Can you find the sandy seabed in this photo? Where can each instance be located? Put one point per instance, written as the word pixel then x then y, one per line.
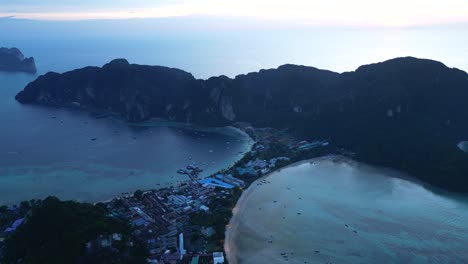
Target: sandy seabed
pixel 334 210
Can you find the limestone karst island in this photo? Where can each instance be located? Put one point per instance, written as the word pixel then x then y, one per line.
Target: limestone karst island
pixel 239 132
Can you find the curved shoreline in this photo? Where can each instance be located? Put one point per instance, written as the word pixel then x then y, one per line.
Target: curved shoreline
pixel 233 134
pixel 232 228
pixel 227 130
pixel 229 245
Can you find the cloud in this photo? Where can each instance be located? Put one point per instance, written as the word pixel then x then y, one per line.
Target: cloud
pixel 316 12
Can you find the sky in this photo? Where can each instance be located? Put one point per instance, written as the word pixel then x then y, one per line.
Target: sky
pixel 367 13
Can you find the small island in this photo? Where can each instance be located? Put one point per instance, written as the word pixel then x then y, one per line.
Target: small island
pixel 13 60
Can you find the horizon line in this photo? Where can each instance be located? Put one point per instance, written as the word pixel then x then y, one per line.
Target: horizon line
pixel 250 19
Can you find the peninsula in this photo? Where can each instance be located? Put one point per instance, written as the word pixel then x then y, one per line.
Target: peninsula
pixel 404 113
pixel 12 59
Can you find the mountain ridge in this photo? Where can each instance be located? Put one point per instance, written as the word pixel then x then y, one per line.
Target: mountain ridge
pixel 406 113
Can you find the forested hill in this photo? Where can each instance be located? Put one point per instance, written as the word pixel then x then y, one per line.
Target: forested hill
pixel 404 113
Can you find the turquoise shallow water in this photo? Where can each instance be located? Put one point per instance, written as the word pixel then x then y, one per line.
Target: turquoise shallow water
pixel 347 213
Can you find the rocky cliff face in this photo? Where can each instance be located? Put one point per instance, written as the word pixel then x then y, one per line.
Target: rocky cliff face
pixel 137 92
pixel 13 60
pixel 405 113
pixel 141 92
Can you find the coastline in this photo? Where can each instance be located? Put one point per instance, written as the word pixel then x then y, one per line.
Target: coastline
pixel 158 209
pixel 231 232
pixel 229 244
pixel 245 142
pixel 249 142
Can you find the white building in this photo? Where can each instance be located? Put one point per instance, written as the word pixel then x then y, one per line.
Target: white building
pixel 218 257
pixel 204 208
pixel 181 245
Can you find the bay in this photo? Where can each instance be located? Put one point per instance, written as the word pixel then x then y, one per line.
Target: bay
pixel 75 155
pixel 328 211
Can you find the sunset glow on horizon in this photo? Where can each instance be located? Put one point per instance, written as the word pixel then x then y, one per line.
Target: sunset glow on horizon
pixel 396 13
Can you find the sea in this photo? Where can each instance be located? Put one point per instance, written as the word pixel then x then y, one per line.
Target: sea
pixel 72 154
pixel 76 155
pixel 326 211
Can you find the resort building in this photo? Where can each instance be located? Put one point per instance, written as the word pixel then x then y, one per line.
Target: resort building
pixel 212 182
pixel 228 178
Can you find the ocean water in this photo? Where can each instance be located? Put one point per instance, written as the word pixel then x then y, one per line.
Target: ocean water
pixel 50 151
pixel 346 212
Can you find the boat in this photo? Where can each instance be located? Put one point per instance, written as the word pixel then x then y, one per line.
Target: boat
pixel 182 171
